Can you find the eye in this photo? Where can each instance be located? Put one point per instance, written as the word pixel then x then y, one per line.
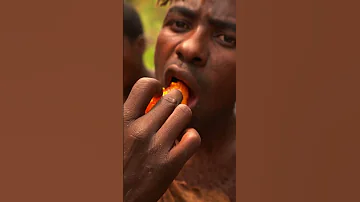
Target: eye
pixel 179 26
pixel 227 40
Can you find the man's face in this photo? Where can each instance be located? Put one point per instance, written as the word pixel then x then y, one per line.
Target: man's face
pixel 197 45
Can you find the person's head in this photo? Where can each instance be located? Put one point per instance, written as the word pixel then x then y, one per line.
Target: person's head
pixel 197 44
pixel 134 45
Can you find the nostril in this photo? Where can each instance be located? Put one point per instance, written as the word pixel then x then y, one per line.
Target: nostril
pixel 180 56
pixel 197 59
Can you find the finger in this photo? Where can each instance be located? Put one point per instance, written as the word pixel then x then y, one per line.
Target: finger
pixel 155 118
pixel 187 146
pixel 173 126
pixel 141 93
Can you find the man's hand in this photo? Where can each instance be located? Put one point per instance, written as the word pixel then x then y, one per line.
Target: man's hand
pixel 151 162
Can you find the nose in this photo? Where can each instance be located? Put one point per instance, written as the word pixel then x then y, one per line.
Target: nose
pixel 193 48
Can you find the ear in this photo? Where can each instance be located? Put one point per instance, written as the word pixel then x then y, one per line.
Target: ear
pixel 140 44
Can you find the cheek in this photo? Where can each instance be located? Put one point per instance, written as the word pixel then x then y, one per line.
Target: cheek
pixel 223 68
pixel 127 72
pixel 222 78
pixel 127 64
pixel 229 77
pixel 127 56
pixel 165 46
pixel 158 60
pixel 223 91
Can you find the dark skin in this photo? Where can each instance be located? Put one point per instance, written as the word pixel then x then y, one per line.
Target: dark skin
pixel 196 45
pixel 134 68
pixel 203 54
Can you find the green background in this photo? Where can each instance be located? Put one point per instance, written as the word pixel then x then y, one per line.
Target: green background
pixel 152 18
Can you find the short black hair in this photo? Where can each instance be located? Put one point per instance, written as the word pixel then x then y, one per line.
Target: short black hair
pixel 132 23
pixel 164 2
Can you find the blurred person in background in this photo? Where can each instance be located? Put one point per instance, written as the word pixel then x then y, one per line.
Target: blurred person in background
pixel 134 48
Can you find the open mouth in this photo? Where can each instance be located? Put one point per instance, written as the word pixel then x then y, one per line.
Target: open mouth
pixel 174 79
pixel 191 97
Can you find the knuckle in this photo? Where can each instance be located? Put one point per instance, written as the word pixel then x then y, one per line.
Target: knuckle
pixel 165 162
pixel 182 113
pixel 170 100
pixel 173 98
pixel 138 133
pixel 150 169
pixel 143 81
pixel 127 114
pixel 145 85
pixel 184 109
pixel 154 150
pixel 141 84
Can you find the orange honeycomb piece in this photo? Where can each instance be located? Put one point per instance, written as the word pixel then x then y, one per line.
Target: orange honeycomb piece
pixel 174 85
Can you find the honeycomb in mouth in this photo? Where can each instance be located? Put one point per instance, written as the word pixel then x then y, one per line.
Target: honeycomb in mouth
pixel 175 84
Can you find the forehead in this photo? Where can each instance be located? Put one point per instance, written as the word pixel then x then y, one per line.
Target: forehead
pixel 220 9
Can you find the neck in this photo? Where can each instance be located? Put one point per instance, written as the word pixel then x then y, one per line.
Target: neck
pixel 213 165
pixel 218 135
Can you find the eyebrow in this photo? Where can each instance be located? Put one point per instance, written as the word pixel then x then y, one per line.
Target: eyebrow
pixel 183 10
pixel 192 14
pixel 223 24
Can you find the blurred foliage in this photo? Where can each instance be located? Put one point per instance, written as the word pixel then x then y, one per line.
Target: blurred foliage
pixel 152 18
